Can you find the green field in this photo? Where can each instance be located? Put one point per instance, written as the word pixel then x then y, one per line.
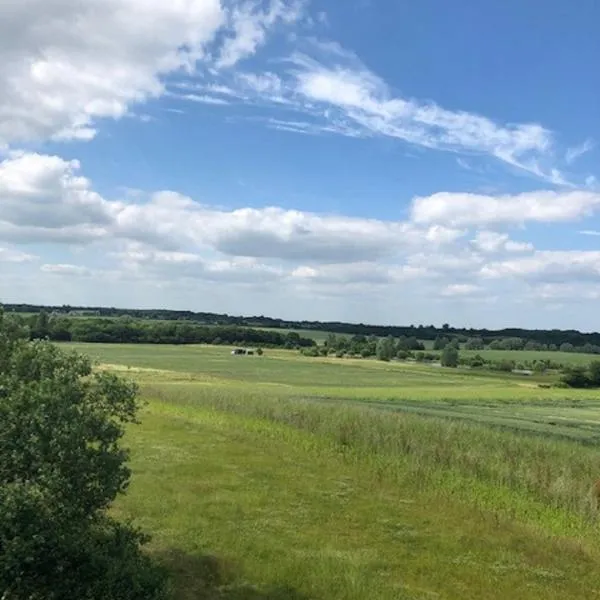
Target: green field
pixel 565 358
pixel 282 476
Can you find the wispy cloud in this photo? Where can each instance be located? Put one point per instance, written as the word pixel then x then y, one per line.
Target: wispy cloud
pixel 335 93
pixel 591 232
pixel 250 25
pixel 574 153
pixel 203 99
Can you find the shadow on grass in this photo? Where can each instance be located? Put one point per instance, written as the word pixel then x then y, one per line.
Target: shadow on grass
pixel 210 578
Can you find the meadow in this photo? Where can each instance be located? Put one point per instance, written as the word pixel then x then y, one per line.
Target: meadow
pixel 290 477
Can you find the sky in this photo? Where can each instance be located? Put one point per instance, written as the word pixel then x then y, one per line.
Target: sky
pixel 376 161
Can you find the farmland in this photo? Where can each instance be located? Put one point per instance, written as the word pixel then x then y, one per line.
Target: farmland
pixel 290 477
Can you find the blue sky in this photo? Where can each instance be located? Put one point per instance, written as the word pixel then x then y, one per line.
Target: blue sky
pixel 383 162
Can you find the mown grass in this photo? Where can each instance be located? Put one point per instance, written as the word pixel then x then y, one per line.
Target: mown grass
pixel 288 373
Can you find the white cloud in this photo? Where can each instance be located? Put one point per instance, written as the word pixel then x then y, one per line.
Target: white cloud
pixel 166 238
pixel 357 273
pixel 250 24
pixel 65 64
pixel 66 269
pixel 492 242
pixel 460 289
pixel 591 232
pixel 549 266
pixel 203 99
pixel 366 101
pixel 459 210
pixel 44 198
pixel 10 255
pixel 574 153
pixel 145 262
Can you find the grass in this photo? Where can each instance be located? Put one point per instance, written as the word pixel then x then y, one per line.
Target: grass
pixel 287 477
pixel 246 508
pixel 565 358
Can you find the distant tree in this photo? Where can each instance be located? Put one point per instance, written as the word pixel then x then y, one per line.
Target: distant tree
pixel 450 357
pixel 506 365
pixel 567 347
pixel 440 342
pixel 476 361
pixel 385 348
pixel 594 373
pixel 41 326
pixel 260 351
pixel 475 343
pixel 331 341
pixel 412 343
pixel 576 376
pixel 61 467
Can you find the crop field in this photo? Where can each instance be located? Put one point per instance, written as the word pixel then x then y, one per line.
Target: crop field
pixel 287 477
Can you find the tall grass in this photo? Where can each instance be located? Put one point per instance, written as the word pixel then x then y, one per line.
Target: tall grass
pixel 555 475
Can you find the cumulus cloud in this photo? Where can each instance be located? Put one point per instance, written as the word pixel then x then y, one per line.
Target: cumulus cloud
pixel 42 190
pixel 144 262
pixel 357 273
pixel 165 237
pixel 493 242
pixel 460 210
pixel 44 198
pixel 66 64
pixel 551 266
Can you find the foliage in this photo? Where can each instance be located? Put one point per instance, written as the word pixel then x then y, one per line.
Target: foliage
pixel 126 330
pixel 474 343
pixel 579 376
pixel 386 348
pixel 440 342
pixel 61 466
pixel 450 356
pixel 504 339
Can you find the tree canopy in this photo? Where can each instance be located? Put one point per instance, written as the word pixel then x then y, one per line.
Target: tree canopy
pixel 61 466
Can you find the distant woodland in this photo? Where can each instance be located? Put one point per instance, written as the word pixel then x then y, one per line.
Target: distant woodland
pixel 172 326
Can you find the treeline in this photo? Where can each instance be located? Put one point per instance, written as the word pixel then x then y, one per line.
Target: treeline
pixel 515 343
pixel 447 352
pixel 551 339
pixel 127 330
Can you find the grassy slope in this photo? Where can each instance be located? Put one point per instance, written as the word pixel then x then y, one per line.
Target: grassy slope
pixel 230 463
pixel 288 516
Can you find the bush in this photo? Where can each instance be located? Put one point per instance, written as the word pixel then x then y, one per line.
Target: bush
pixel 450 357
pixel 576 377
pixel 61 466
